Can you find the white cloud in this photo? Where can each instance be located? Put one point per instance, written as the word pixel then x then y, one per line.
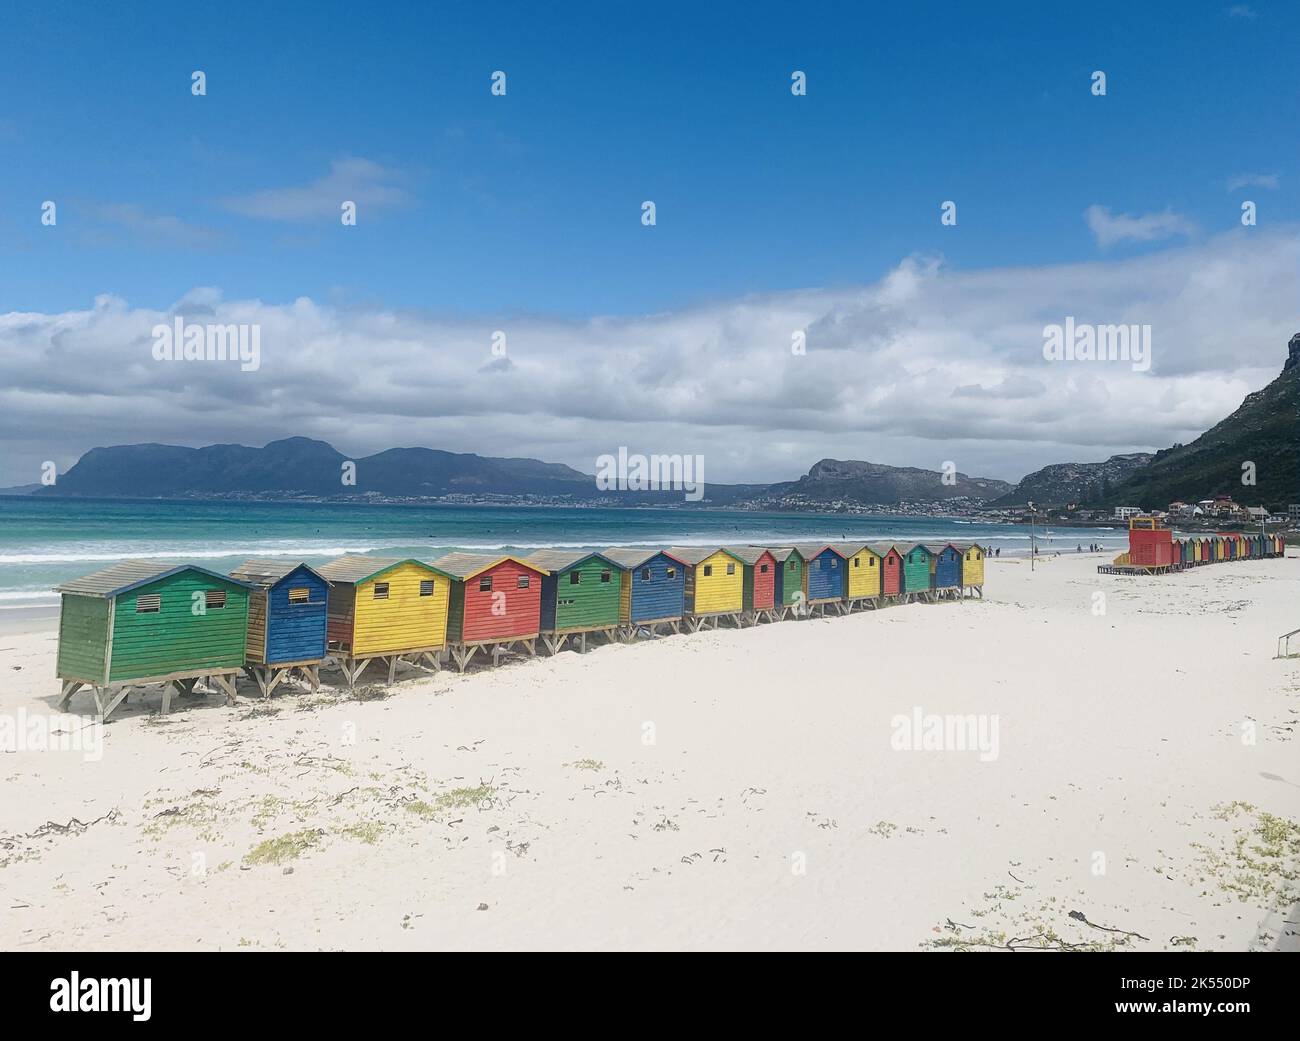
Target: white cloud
pixel 367 183
pixel 1252 181
pixel 1109 228
pixel 928 364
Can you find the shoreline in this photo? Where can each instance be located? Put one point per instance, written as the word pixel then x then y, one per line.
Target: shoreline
pixel 720 790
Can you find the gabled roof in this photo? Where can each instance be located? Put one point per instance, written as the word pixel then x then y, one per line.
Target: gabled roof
pixel 936 548
pixel 808 550
pixel 553 561
pixel 696 554
pixel 782 553
pixel 633 557
pixel 355 568
pixel 266 573
pixel 131 574
pixel 464 566
pixel 918 545
pixel 882 549
pixel 852 549
pixel 750 554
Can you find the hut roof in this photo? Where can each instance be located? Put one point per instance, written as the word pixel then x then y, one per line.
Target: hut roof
pixel 634 557
pixel 850 549
pixel 938 547
pixel 553 561
pixel 464 566
pixel 696 554
pixel 782 553
pixel 266 573
pixel 808 550
pixel 882 549
pixel 357 567
pixel 129 574
pixel 749 554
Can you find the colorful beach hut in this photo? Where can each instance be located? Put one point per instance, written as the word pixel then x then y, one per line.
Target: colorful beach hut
pixel 387 608
pixel 945 570
pixel 652 591
pixel 787 590
pixel 826 577
pixel 287 616
pixel 916 573
pixel 496 605
pixel 715 586
pixel 863 571
pixel 891 570
pixel 972 568
pixel 758 590
pixel 581 593
pixel 142 622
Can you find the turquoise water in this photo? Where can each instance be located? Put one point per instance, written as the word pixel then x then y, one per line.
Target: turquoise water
pixel 47 541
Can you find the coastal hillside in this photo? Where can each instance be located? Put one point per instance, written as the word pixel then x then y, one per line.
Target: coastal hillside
pixel 1265 431
pixel 856 482
pixel 1063 483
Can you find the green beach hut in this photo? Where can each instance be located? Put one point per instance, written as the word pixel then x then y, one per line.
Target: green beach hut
pixel 143 622
pixel 581 594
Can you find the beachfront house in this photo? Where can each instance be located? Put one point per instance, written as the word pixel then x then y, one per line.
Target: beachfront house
pixel 496 605
pixel 891 569
pixel 652 591
pixel 287 621
pixel 581 594
pixel 386 608
pixel 945 570
pixel 758 591
pixel 787 591
pixel 827 577
pixel 862 566
pixel 143 622
pixel 715 586
pixel 917 583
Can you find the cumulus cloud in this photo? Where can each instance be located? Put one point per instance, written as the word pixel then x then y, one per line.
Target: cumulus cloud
pixel 368 184
pixel 925 365
pixel 158 229
pixel 1109 228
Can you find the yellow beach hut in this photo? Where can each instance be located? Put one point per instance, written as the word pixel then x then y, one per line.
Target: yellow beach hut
pixel 383 608
pixel 864 570
pixel 715 586
pixel 972 568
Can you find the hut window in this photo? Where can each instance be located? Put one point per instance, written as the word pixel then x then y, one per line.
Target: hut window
pixel 857 561
pixel 604 576
pixel 708 570
pixel 575 578
pixel 645 574
pixel 790 567
pixel 871 561
pixel 426 587
pixel 522 582
pixel 381 590
pixel 816 565
pixel 672 573
pixel 150 603
pixel 834 563
pixel 299 595
pixel 214 599
pixel 485 584
pixel 762 569
pixel 731 569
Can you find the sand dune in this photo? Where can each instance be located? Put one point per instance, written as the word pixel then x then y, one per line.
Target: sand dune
pixel 731 789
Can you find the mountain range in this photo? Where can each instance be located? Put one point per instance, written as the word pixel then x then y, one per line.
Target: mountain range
pixel 1263 432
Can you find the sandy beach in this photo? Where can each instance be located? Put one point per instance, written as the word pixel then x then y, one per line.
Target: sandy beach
pixel 1136 786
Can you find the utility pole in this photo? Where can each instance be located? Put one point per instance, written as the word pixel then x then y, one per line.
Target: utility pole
pixel 1033 548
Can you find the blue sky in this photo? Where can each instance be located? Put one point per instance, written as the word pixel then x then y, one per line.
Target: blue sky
pixel 530 203
pixel 776 215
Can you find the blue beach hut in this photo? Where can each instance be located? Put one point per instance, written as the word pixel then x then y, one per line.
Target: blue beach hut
pixel 653 591
pixel 287 615
pixel 826 583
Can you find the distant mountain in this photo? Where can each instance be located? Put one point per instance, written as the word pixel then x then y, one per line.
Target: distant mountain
pixel 1265 431
pixel 1064 483
pixel 302 467
pixel 21 489
pixel 853 481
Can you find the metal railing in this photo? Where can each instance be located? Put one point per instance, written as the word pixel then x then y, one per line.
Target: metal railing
pixel 1284 645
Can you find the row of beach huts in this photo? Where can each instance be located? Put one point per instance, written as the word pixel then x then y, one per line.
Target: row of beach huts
pixel 142 622
pixel 1153 550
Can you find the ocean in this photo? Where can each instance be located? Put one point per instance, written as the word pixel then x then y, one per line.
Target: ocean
pixel 45 541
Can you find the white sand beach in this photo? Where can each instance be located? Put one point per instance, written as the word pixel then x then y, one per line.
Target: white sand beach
pixel 730 789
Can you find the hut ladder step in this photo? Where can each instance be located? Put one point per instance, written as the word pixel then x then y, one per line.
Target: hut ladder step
pixel 1284 645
